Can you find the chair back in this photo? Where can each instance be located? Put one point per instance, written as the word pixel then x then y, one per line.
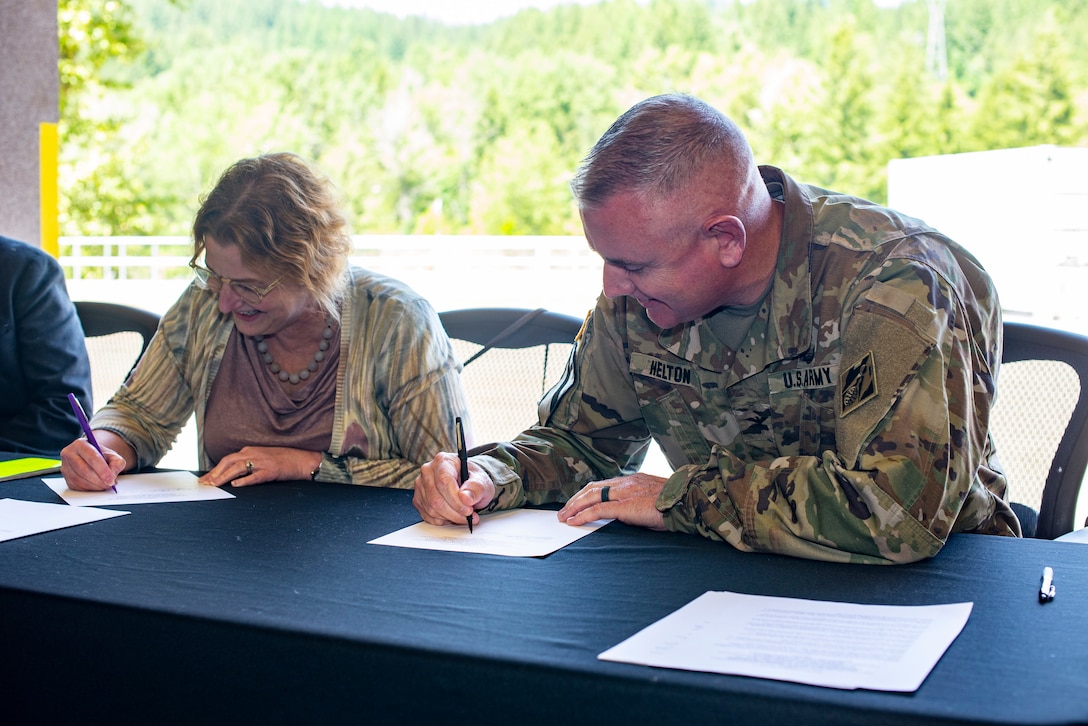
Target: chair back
pixel 117 335
pixel 511 357
pixel 1040 424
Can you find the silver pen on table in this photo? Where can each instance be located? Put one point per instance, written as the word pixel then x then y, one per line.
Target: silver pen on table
pixel 1046 586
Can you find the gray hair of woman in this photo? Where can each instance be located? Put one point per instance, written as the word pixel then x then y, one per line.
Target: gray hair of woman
pixel 286 219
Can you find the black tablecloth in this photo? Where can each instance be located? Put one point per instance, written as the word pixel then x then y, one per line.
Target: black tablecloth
pixel 273 608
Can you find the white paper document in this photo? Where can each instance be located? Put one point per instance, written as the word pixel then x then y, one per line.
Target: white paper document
pixel 19 518
pixel 515 533
pixel 149 488
pixel 832 644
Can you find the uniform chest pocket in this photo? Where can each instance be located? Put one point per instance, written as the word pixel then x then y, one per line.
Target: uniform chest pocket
pixel 804 409
pixel 671 422
pixel 672 400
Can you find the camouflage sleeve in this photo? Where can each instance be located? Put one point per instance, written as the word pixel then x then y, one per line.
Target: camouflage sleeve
pixel 590 427
pixel 910 433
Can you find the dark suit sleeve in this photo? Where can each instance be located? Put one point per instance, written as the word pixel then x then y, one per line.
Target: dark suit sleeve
pixel 44 355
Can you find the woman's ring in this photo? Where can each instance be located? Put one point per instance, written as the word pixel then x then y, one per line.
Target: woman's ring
pixel 604 493
pixel 249 467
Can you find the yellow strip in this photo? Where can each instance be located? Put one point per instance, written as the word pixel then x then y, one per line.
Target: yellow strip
pixel 48 146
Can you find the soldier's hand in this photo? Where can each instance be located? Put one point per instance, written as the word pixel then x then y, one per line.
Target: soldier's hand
pixel 630 499
pixel 441 499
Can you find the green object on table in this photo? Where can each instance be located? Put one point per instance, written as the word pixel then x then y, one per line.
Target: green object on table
pixel 28 466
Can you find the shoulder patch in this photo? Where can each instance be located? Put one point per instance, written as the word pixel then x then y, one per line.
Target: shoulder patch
pixel 858 384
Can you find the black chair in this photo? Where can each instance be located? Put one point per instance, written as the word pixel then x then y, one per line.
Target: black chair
pixel 1040 425
pixel 511 357
pixel 117 335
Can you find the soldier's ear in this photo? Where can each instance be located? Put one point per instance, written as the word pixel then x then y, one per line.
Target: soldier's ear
pixel 728 231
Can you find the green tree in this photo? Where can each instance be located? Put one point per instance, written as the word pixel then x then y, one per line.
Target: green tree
pixel 95 42
pixel 521 188
pixel 1030 99
pixel 93 37
pixel 910 117
pixel 427 127
pixel 842 152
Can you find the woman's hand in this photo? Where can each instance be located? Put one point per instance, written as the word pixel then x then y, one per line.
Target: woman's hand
pixel 260 464
pixel 85 470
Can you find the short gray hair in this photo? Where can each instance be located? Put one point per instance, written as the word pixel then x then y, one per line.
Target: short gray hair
pixel 656 147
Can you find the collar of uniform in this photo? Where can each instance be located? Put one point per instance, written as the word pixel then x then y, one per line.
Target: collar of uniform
pixel 790 301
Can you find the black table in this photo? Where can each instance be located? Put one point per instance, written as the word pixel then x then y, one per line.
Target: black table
pixel 272 608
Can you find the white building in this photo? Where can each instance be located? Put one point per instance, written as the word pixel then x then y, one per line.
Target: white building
pixel 1023 212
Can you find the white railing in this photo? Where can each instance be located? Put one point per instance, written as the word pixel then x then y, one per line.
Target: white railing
pixel 452 271
pixel 122 258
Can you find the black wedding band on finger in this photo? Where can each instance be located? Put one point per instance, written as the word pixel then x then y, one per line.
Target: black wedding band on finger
pixel 249 468
pixel 604 493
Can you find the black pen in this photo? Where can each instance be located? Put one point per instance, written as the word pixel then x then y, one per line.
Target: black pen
pixel 86 426
pixel 1046 587
pixel 462 454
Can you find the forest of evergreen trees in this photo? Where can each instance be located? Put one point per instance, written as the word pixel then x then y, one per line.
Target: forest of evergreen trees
pixel 476 129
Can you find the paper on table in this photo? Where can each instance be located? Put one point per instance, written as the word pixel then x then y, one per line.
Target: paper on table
pixel 833 644
pixel 19 518
pixel 148 488
pixel 27 466
pixel 514 533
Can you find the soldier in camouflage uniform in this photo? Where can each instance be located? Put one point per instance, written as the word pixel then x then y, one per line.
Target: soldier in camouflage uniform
pixel 818 370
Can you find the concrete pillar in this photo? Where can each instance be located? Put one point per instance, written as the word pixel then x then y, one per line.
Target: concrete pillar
pixel 29 111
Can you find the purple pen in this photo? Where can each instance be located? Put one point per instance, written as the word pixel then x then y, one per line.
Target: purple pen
pixel 86 426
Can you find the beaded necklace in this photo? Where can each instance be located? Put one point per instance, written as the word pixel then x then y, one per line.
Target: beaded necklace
pixel 304 374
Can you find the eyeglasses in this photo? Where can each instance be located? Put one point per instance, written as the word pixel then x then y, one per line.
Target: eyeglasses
pixel 213 283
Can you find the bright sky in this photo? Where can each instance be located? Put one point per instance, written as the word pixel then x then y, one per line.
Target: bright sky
pixel 459 12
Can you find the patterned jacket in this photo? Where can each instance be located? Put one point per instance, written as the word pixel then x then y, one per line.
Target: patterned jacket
pixel 850 425
pixel 398 384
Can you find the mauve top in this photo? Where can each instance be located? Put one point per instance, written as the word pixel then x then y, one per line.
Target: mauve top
pixel 250 406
